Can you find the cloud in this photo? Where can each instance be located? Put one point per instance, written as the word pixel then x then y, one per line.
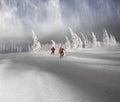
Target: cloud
pixel 18 17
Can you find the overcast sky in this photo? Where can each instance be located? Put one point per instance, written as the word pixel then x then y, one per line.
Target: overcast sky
pixel 19 17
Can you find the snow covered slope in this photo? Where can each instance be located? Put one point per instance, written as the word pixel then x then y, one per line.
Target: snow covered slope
pixel 88 75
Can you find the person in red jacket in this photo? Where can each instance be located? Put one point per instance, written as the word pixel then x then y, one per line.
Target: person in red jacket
pixel 61 52
pixel 53 50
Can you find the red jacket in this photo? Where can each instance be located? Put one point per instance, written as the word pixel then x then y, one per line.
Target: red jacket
pixel 61 50
pixel 52 49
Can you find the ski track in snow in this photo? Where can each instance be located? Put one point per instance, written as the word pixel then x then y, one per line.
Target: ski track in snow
pixel 78 77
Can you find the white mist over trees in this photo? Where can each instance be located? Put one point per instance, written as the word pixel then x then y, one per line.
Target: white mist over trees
pixel 9 21
pixel 77 42
pixel 18 15
pixel 47 17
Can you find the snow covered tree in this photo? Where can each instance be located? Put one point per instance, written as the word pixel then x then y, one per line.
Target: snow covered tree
pixel 67 44
pixel 53 43
pixel 94 40
pixel 84 40
pixel 36 44
pixel 76 41
pixel 106 39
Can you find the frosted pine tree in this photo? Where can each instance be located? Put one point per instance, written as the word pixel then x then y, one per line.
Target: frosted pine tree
pixel 84 40
pixel 36 44
pixel 67 44
pixel 106 39
pixel 94 40
pixel 80 45
pixel 73 38
pixel 53 43
pixel 113 41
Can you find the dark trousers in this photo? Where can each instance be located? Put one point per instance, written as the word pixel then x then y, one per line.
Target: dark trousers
pixel 52 53
pixel 61 54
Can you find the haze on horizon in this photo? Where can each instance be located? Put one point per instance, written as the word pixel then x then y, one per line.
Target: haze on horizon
pixel 47 17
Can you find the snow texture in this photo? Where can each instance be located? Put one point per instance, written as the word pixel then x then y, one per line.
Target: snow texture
pixel 89 75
